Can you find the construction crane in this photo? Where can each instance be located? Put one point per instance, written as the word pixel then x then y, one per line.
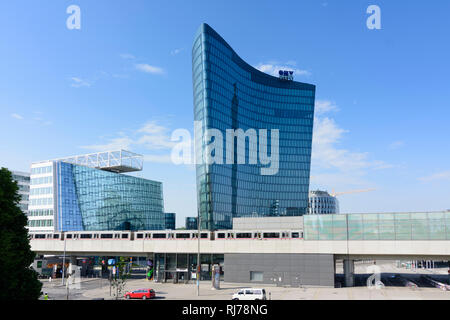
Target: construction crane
pixel 335 194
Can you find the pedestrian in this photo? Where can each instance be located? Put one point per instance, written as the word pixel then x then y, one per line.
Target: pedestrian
pixel 45 296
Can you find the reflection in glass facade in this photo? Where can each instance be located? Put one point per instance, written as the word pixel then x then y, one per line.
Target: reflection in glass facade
pixel 191 223
pixel 230 94
pixel 94 200
pixel 170 220
pixel 382 226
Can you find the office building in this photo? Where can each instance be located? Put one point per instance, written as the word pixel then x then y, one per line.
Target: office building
pixel 170 219
pixel 23 182
pixel 321 202
pixel 191 223
pixel 90 192
pixel 229 94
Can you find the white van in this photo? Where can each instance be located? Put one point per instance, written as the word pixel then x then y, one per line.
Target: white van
pixel 250 294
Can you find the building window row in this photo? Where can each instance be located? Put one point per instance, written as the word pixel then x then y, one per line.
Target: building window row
pixel 40 212
pixel 41 202
pixel 42 180
pixel 40 223
pixel 39 191
pixel 41 170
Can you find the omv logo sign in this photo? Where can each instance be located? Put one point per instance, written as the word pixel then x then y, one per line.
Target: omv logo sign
pixel 286 75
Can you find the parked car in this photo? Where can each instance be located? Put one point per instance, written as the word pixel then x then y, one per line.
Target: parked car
pixel 140 294
pixel 250 294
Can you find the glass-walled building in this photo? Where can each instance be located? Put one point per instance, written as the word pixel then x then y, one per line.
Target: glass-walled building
pixel 321 202
pixel 191 223
pixel 71 197
pixel 229 94
pixel 378 226
pixel 170 219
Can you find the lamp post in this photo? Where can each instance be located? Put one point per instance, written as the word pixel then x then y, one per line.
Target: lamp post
pixel 64 261
pixel 198 253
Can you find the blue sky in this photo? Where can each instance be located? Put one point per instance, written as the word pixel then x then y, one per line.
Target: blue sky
pixel 124 80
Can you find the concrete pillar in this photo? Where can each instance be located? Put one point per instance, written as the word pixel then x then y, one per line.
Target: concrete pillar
pixel 349 271
pixel 72 264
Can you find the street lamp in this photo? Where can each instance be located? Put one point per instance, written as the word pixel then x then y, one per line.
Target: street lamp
pixel 64 261
pixel 199 219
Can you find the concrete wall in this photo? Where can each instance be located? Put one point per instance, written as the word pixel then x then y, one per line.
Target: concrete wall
pixel 293 269
pixel 268 223
pixel 412 250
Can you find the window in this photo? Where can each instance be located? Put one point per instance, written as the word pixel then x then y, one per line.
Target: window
pixel 243 235
pixel 106 236
pixel 271 235
pixel 159 236
pixel 256 276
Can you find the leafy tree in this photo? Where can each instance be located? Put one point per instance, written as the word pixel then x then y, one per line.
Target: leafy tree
pixel 123 273
pixel 18 281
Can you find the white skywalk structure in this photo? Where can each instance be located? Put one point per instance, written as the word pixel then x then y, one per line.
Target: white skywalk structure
pixel 118 161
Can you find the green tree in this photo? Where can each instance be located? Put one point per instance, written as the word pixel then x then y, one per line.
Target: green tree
pixel 123 273
pixel 18 281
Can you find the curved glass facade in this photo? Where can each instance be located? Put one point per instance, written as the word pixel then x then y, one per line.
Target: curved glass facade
pixel 230 94
pixel 95 200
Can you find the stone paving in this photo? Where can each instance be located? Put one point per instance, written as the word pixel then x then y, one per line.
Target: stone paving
pixel 95 289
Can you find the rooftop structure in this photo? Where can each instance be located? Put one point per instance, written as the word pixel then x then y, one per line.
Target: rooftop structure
pixel 118 161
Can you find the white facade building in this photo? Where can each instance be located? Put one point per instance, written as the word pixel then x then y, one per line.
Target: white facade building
pixel 23 181
pixel 321 202
pixel 41 207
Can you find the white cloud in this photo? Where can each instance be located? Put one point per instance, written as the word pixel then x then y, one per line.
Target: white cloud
pixel 164 158
pixel 440 176
pixel 78 82
pixel 332 165
pixel 127 56
pixel 396 145
pixel 152 127
pixel 324 106
pixel 16 116
pixel 176 51
pixel 273 68
pixel 149 69
pixel 151 137
pixel 112 144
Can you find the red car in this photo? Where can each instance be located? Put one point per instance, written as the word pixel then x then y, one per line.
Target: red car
pixel 140 294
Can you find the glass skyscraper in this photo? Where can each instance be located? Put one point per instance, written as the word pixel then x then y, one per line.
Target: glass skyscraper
pixel 231 94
